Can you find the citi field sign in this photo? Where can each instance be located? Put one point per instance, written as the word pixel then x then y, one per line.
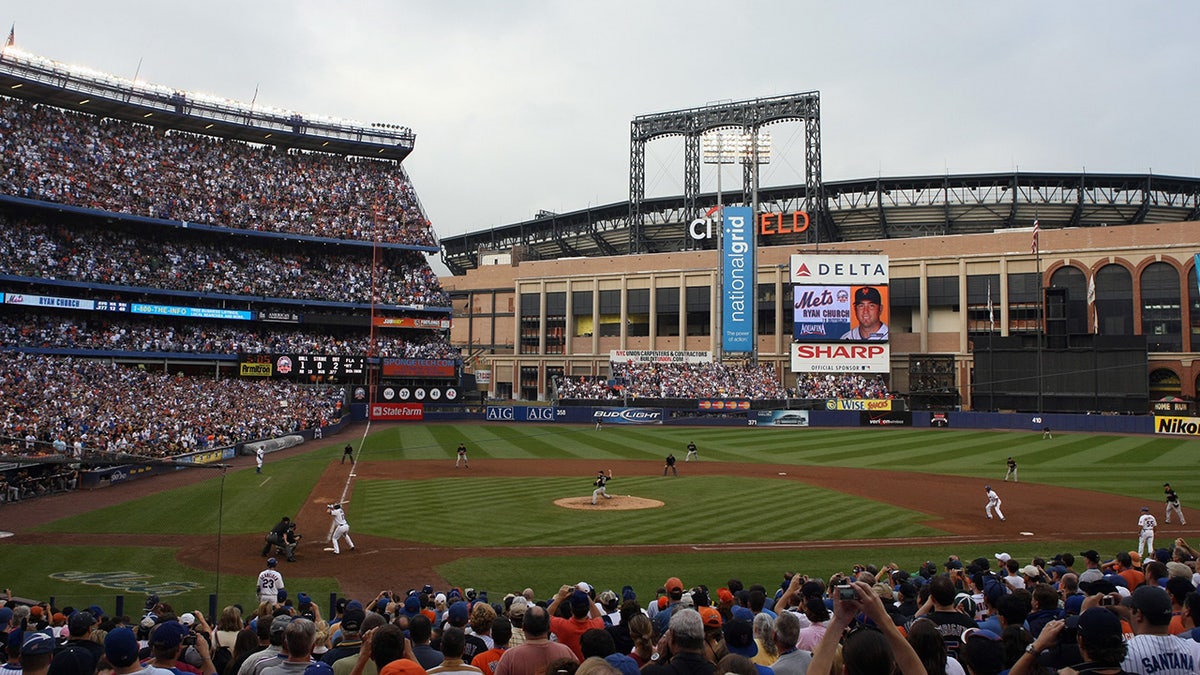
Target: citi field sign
pixel 768 224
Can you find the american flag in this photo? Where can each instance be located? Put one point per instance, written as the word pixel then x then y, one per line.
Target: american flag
pixel 1033 247
pixel 12 36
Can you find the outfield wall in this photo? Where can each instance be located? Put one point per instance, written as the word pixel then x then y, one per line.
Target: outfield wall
pixel 610 416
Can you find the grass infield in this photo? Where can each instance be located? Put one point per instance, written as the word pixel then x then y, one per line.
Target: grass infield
pixel 475 513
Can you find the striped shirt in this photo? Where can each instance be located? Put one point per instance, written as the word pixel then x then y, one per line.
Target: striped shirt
pixel 1162 655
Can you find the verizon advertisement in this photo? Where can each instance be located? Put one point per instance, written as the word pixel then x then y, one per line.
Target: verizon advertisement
pixel 873 357
pixel 404 412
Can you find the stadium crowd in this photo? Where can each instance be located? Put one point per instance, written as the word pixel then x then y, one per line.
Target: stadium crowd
pixel 29 330
pixel 76 407
pixel 717 380
pixel 987 616
pixel 64 157
pixel 89 254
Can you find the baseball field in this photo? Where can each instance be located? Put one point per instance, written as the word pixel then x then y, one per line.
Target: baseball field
pixel 757 503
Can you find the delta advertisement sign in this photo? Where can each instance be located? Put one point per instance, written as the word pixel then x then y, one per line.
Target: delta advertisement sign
pixel 839 269
pixel 871 357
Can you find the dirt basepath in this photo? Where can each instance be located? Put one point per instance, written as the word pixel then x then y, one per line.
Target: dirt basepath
pixel 1035 512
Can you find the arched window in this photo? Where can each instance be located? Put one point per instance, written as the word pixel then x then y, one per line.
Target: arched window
pixel 1163 382
pixel 1194 302
pixel 1072 279
pixel 1114 300
pixel 1162 319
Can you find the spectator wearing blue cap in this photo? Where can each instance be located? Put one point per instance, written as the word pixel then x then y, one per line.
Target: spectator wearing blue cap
pixel 37 650
pixel 584 616
pixel 351 641
pixel 168 642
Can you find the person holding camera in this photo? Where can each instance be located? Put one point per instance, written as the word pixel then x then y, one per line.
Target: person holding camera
pixel 340 527
pixel 168 643
pixel 862 650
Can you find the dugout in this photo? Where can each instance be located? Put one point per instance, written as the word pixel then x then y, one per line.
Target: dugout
pixel 1069 373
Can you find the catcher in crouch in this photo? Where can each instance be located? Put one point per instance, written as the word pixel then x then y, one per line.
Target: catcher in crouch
pixel 601 481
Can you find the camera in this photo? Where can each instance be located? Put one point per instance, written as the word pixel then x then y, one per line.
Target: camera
pixel 1108 601
pixel 846 592
pixel 190 640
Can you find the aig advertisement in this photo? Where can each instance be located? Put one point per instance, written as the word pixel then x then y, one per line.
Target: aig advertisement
pixel 737 293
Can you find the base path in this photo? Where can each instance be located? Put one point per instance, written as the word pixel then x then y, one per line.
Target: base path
pixel 1034 512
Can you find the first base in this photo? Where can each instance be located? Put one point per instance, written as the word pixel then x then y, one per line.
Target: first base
pixel 327 548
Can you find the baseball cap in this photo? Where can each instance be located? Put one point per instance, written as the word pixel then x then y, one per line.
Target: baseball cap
pixel 1090 554
pixel 412 604
pixel 1098 586
pixel 953 564
pixel 36 611
pixel 982 650
pixel 271 562
pixel 867 294
pixel 739 637
pixel 121 647
pixel 627 593
pixel 151 601
pixel 1003 557
pixel 1031 571
pixel 1178 569
pixel 964 602
pixel 5 616
pixel 518 606
pixel 673 584
pixel 1098 627
pixel 1145 509
pixel 71 661
pixel 743 613
pixel 710 616
pixel 1153 602
pixel 623 663
pixel 80 623
pixel 580 599
pixel 279 623
pixel 1073 604
pixel 187 618
pixel 170 634
pixel 36 643
pixel 353 618
pixel 457 614
pixel 724 596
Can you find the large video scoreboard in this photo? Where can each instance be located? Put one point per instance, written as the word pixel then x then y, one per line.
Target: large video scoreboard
pixel 840 313
pixel 304 366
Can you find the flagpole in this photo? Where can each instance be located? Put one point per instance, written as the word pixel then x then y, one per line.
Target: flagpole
pixel 1037 251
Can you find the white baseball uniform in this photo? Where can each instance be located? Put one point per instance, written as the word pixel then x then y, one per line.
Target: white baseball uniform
pixel 269 583
pixel 993 504
pixel 1146 523
pixel 258 460
pixel 340 528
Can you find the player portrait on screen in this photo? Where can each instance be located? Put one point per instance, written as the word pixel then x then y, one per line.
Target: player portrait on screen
pixel 867 322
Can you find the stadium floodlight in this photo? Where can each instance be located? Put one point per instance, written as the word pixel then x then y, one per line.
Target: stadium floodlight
pixel 750 149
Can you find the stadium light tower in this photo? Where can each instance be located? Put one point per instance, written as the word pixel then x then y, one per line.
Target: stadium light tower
pixel 750 148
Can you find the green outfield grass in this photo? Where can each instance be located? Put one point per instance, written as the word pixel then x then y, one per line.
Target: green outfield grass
pixel 473 512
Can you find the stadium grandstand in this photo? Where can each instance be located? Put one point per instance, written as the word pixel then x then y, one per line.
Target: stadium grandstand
pixel 196 254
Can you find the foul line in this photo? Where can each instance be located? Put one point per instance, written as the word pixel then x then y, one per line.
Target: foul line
pixel 353 472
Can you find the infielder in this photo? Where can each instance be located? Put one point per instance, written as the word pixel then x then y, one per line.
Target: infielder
pixel 600 483
pixel 1173 504
pixel 993 503
pixel 258 460
pixel 670 465
pixel 462 457
pixel 270 582
pixel 340 527
pixel 691 452
pixel 1146 525
pixel 1012 470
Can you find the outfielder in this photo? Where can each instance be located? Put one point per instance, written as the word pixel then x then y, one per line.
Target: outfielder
pixel 691 452
pixel 1012 470
pixel 600 483
pixel 993 503
pixel 1146 525
pixel 1173 504
pixel 270 582
pixel 340 527
pixel 462 457
pixel 258 460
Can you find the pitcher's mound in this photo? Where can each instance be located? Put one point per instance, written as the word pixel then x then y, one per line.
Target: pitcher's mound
pixel 617 503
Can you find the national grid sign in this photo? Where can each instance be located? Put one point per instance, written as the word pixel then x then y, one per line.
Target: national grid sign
pixel 738 274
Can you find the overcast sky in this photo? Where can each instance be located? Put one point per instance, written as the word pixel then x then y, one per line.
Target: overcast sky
pixel 521 105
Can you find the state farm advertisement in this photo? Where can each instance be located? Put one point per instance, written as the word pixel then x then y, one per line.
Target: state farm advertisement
pixel 873 357
pixel 410 412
